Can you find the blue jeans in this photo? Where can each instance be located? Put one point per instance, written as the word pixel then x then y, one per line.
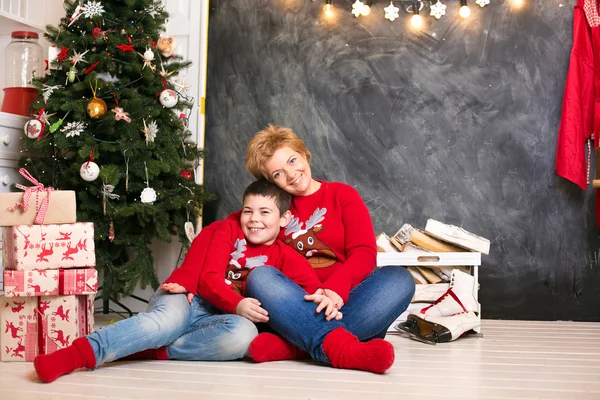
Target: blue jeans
pixel 371 308
pixel 194 331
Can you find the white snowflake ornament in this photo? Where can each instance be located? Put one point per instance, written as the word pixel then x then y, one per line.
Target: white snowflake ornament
pixel 148 195
pixel 438 9
pixel 77 58
pixel 482 3
pixel 73 129
pixel 391 12
pixel 357 8
pixel 150 131
pixel 92 9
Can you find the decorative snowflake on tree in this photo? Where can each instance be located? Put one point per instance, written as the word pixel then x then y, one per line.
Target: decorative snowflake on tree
pixel 357 8
pixel 78 57
pixel 74 128
pixel 150 131
pixel 391 12
pixel 438 9
pixel 153 10
pixel 482 3
pixel 92 9
pixel 47 91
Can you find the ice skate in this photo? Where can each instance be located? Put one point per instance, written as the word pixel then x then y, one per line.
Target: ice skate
pixel 445 329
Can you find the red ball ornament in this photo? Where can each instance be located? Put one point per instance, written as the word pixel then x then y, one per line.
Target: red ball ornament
pixel 187 174
pixel 95 32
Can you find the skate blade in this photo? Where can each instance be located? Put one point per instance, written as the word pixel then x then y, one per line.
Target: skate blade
pixel 409 329
pixel 430 330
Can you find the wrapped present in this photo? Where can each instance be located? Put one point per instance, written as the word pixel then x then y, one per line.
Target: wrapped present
pixel 26 247
pixel 37 205
pixel 50 282
pixel 42 325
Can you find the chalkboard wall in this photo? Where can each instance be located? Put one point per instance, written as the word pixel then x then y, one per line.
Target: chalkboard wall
pixel 457 123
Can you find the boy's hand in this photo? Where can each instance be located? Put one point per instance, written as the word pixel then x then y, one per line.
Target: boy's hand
pixel 177 288
pixel 250 308
pixel 324 303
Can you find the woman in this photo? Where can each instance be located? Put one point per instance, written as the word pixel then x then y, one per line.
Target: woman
pixel 332 229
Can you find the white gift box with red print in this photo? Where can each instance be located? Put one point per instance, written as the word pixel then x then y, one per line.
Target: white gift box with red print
pixel 26 247
pixel 50 282
pixel 42 325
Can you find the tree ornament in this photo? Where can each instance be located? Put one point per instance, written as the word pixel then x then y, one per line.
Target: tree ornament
pixel 148 195
pixel 125 47
pixel 187 174
pixel 48 90
pixel 56 125
pixel 76 14
pixel 33 128
pixel 148 57
pixel 391 12
pixel 121 114
pixel 70 75
pixel 89 171
pixel 167 46
pixel 92 9
pixel 107 192
pixel 64 52
pixel 78 57
pixel 74 128
pixel 437 10
pixel 168 98
pixel 111 232
pixel 96 108
pixel 150 131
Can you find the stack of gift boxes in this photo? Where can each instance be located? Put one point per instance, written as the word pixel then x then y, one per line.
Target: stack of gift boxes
pixel 49 276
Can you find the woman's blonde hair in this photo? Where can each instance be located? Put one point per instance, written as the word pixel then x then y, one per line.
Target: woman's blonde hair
pixel 265 143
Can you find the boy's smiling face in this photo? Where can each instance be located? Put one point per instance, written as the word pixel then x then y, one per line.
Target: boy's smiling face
pixel 261 219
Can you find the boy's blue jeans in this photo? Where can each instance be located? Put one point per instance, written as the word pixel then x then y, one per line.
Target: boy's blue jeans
pixel 194 331
pixel 372 307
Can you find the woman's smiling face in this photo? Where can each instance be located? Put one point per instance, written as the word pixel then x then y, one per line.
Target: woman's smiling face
pixel 290 171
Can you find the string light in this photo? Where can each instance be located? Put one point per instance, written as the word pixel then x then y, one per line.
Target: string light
pixel 328 8
pixel 361 8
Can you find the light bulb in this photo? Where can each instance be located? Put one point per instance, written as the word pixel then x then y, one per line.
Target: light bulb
pixel 518 3
pixel 328 10
pixel 366 10
pixel 464 11
pixel 416 21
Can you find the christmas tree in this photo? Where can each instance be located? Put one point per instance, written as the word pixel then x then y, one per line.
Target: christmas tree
pixel 104 126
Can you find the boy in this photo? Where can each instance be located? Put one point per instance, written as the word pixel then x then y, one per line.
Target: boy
pixel 171 328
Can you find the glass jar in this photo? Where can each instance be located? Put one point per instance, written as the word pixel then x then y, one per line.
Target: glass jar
pixel 24 61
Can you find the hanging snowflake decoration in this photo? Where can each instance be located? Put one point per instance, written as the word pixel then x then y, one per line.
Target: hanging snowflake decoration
pixel 357 8
pixel 180 85
pixel 77 57
pixel 482 3
pixel 45 117
pixel 438 9
pixel 47 91
pixel 153 10
pixel 92 9
pixel 73 129
pixel 391 12
pixel 150 131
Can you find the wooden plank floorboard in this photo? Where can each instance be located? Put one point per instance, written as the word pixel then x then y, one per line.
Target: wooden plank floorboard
pixel 513 360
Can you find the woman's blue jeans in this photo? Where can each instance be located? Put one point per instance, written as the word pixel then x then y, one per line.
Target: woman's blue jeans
pixel 194 331
pixel 371 308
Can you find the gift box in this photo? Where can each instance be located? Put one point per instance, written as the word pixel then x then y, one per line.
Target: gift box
pixel 37 205
pixel 26 247
pixel 42 325
pixel 50 282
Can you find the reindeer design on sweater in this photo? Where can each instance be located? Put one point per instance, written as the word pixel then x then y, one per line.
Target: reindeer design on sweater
pixel 236 273
pixel 306 242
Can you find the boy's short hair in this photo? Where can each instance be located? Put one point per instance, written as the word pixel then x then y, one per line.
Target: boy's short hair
pixel 266 142
pixel 263 187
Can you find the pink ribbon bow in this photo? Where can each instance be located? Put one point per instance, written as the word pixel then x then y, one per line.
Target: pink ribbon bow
pixel 39 187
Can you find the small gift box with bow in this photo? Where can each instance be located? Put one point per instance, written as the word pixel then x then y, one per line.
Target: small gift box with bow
pixel 37 205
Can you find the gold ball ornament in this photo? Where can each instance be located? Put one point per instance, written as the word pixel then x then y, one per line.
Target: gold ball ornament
pixel 96 108
pixel 166 45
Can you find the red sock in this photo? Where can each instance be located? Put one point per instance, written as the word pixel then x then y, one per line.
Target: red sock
pixel 148 354
pixel 269 347
pixel 345 351
pixel 64 361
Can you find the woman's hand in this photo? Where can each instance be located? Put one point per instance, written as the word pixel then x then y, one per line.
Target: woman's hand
pixel 324 303
pixel 177 288
pixel 338 302
pixel 250 308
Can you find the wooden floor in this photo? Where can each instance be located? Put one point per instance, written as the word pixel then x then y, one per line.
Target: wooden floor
pixel 514 360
